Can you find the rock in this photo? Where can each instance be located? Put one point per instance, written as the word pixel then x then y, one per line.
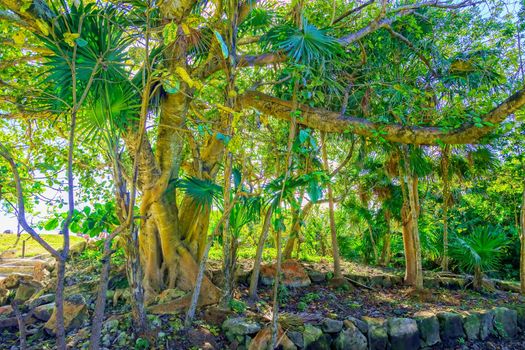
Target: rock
pixel 403 333
pixel 451 327
pixel 8 254
pixel 428 326
pixel 387 282
pixel 520 313
pixel 75 312
pixel 13 280
pixel 361 325
pixel 377 333
pixel 340 283
pixel 317 276
pixel 296 338
pixel 216 316
pixel 78 248
pixel 169 295
pixel 471 326
pixel 4 296
pixel 264 337
pixel 44 312
pixel 331 326
pixel 311 334
pixel 8 323
pixel 376 281
pixel 40 300
pixel 41 271
pixel 6 310
pixel 238 327
pixel 486 328
pixel 293 274
pixel 25 290
pixel 505 322
pixel 350 339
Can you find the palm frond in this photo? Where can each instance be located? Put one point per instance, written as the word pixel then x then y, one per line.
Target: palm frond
pixel 306 45
pixel 203 192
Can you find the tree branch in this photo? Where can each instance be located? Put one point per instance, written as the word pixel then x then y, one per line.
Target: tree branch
pixel 329 121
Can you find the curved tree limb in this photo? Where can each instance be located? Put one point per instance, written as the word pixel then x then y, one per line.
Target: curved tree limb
pixel 329 121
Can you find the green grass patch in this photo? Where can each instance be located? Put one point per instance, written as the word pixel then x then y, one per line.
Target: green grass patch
pixel 32 247
pixel 269 254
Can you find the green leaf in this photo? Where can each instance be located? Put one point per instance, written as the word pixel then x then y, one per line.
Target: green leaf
pixel 51 224
pixel 81 42
pixel 221 41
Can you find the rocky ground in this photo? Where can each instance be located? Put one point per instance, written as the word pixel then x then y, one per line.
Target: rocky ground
pixel 370 308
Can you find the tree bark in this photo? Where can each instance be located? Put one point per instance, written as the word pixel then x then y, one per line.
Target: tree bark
pixel 522 244
pixel 446 200
pixel 329 121
pixel 409 216
pixel 386 251
pixel 254 279
pixel 333 232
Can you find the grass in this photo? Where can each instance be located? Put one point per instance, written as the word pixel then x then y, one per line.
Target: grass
pixel 269 254
pixel 7 242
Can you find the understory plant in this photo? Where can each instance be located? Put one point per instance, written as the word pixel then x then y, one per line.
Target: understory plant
pixel 479 252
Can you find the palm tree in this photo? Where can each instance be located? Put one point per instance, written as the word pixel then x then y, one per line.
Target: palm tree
pixel 479 252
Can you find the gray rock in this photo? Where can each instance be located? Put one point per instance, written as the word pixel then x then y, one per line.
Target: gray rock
pixel 26 290
pixel 506 322
pixel 311 334
pixel 486 327
pixel 44 312
pixel 41 300
pixel 331 326
pixel 403 333
pixel 296 338
pixel 451 327
pixel 377 334
pixel 323 343
pixel 471 326
pixel 520 310
pixel 428 326
pixel 361 325
pixel 350 339
pixel 317 276
pixel 237 328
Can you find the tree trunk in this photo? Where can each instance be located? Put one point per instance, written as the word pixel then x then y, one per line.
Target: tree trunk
pixel 386 251
pixel 446 200
pixel 408 244
pixel 59 304
pixel 414 210
pixel 477 284
pixel 21 324
pixel 410 214
pixel 254 279
pixel 333 231
pixel 522 244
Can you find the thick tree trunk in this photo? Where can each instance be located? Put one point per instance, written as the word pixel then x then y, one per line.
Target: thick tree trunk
pixel 408 244
pixel 409 217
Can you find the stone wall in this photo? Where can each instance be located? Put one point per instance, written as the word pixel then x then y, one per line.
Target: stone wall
pixel 424 330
